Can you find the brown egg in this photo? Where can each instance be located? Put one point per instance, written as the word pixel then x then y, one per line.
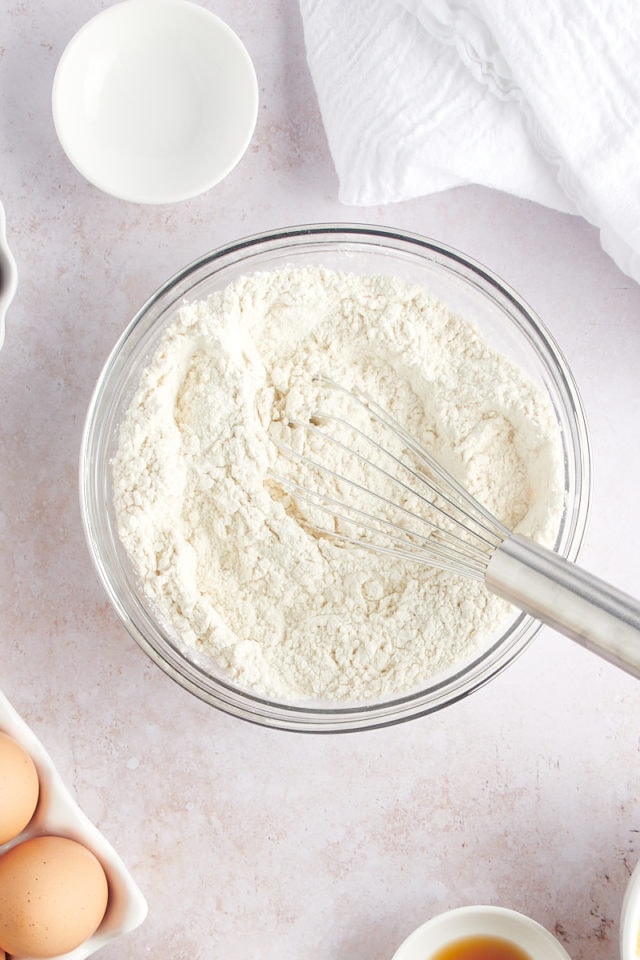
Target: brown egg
pixel 53 895
pixel 19 788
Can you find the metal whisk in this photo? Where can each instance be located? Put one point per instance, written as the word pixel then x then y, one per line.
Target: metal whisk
pixel 417 511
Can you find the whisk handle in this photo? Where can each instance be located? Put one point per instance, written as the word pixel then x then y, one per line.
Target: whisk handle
pixel 577 604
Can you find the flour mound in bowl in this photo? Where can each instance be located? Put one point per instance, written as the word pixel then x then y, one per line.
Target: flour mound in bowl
pixel 223 557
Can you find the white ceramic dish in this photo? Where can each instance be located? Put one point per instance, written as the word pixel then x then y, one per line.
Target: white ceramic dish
pixel 509 925
pixel 155 101
pixel 8 275
pixel 58 813
pixel 630 919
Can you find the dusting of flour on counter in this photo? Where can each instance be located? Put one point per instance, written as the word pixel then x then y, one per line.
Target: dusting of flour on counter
pixel 229 565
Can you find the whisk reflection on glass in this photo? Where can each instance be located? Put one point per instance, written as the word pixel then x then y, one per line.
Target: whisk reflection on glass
pixel 416 511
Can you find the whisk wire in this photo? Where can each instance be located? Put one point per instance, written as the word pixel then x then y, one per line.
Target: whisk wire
pixel 402 537
pixel 442 535
pixel 445 527
pixel 474 510
pixel 490 539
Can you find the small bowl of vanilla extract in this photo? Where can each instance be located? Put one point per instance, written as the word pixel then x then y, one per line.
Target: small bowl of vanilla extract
pixel 481 933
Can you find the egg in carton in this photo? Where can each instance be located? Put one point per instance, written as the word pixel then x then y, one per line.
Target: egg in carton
pixel 58 815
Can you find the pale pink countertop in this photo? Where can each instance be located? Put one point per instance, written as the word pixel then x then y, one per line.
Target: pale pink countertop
pixel 256 843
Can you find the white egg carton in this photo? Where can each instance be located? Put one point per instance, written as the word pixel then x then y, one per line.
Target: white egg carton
pixel 58 813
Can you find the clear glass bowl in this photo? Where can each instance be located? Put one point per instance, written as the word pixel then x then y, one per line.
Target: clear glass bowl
pixel 469 289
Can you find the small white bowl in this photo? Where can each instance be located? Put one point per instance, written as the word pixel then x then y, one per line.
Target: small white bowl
pixel 462 922
pixel 8 274
pixel 155 101
pixel 630 918
pixel 58 814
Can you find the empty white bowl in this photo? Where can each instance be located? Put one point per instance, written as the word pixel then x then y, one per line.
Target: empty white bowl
pixel 474 921
pixel 155 101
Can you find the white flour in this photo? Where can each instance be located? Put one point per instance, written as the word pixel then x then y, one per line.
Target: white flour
pixel 228 564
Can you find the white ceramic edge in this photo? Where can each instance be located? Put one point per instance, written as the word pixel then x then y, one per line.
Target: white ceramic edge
pixel 630 918
pixel 447 927
pixel 8 274
pixel 64 817
pixel 57 110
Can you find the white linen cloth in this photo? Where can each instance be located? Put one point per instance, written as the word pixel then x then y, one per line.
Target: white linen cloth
pixel 539 98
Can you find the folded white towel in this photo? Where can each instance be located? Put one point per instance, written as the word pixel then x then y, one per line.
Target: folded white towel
pixel 540 99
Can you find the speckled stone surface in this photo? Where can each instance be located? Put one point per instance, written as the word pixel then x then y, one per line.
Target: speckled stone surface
pixel 256 843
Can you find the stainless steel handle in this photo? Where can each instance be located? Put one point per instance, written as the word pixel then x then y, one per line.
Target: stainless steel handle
pixel 577 604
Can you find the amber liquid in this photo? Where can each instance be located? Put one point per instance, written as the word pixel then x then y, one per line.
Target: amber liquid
pixel 481 948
